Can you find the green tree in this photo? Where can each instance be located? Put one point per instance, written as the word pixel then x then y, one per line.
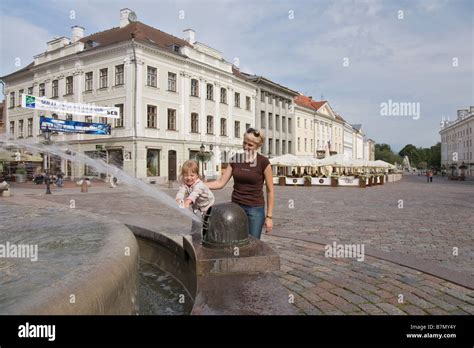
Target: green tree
pixel 412 152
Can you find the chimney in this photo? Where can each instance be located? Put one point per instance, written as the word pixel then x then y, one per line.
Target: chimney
pixel 124 17
pixel 462 113
pixel 77 33
pixel 189 35
pixel 471 110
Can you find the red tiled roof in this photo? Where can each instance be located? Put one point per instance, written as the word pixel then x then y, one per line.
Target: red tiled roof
pixel 141 31
pixel 305 101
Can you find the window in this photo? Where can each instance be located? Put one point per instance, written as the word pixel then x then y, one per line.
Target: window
pixel 237 100
pixel 283 147
pixel 270 120
pixel 289 146
pixel 237 129
pixel 270 145
pixel 151 76
pixel 102 120
pixel 12 127
pixel 195 88
pixel 151 120
pixel 209 92
pixel 89 81
pixel 247 126
pixel 312 148
pixel 194 123
pixel 298 122
pixel 262 119
pixel 119 121
pixel 223 95
pixel 277 146
pixel 223 127
pixel 262 96
pixel 29 130
pixel 277 122
pixel 152 162
pixel 283 123
pixel 119 70
pixel 103 78
pixel 299 147
pixel 305 123
pixel 12 99
pixel 210 125
pixel 247 103
pixel 54 88
pixel 20 93
pixel 289 130
pixel 69 117
pixel 305 144
pixel 30 90
pixel 171 82
pixel 171 119
pixel 20 129
pixel 69 86
pixel 42 90
pixel 88 119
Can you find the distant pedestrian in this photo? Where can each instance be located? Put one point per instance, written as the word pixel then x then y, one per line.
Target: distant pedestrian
pixel 430 175
pixel 427 176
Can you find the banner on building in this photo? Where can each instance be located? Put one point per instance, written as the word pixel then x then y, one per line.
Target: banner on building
pixel 73 126
pixel 40 103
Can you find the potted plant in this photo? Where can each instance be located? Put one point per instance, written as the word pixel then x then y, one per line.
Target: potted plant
pixel 334 179
pixel 382 178
pixel 20 173
pixel 362 179
pixel 282 180
pixel 307 180
pixel 369 179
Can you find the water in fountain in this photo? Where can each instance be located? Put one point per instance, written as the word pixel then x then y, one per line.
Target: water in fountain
pixel 157 289
pixel 103 167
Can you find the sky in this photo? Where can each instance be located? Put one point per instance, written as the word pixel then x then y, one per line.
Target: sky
pixel 367 58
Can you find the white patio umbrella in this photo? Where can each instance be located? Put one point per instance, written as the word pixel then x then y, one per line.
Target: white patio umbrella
pixel 382 164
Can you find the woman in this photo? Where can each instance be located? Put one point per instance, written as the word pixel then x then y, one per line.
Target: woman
pixel 250 172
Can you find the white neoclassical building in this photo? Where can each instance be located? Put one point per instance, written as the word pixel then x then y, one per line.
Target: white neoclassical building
pixel 175 95
pixel 457 140
pixel 320 131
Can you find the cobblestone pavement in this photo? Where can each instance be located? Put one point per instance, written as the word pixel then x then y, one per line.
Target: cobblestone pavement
pixel 321 285
pixel 412 217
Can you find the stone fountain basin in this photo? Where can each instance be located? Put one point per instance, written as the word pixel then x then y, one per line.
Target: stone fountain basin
pixel 86 265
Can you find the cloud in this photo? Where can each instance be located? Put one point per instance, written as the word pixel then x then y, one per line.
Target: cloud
pixel 20 39
pixel 407 60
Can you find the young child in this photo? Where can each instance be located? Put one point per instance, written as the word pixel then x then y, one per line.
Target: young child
pixel 192 191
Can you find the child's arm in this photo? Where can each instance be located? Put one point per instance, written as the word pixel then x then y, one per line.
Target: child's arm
pixel 181 193
pixel 197 191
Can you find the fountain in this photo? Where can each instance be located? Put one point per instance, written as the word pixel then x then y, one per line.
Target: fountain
pixel 216 269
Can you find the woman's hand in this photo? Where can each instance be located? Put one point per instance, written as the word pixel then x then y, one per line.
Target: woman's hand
pixel 268 225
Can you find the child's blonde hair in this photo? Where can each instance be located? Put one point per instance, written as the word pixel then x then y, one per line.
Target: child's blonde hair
pixel 189 166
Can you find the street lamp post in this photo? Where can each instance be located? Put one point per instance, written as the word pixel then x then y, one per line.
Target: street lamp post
pixel 47 137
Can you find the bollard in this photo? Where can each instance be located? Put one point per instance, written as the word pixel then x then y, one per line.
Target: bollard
pixel 84 188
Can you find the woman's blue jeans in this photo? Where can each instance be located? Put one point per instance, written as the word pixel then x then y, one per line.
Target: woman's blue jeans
pixel 256 216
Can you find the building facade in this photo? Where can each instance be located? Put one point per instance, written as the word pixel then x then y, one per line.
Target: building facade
pixel 457 143
pixel 175 95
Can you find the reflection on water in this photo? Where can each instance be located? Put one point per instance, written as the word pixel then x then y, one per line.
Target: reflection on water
pixel 160 293
pixel 64 243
